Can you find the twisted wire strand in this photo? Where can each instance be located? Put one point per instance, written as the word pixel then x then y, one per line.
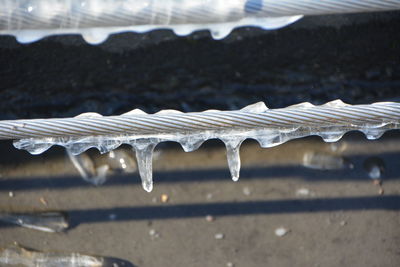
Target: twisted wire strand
pixel 333 114
pixel 74 14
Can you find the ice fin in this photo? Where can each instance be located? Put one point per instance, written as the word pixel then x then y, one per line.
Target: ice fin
pixel 302 105
pixel 233 156
pixel 168 112
pixel 144 157
pixel 255 108
pixel 135 112
pixel 335 103
pixel 89 115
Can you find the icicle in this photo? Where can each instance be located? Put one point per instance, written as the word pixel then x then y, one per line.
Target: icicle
pixel 190 139
pixel 233 156
pixel 144 156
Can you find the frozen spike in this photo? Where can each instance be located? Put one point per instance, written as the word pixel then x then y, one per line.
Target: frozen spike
pixel 168 112
pixel 144 157
pixel 331 137
pixel 233 157
pixel 89 115
pixel 335 103
pixel 255 108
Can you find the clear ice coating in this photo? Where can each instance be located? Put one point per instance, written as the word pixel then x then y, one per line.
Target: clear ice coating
pixel 95 20
pixel 144 145
pixel 43 221
pixel 18 256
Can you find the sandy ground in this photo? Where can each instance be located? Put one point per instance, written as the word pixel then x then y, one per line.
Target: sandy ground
pixel 341 220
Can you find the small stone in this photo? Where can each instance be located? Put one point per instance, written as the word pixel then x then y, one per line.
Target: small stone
pixel 381 191
pixel 219 236
pixel 153 234
pixel 246 191
pixel 343 223
pixel 209 196
pixel 230 264
pixel 281 231
pixel 43 201
pixel 377 182
pixel 11 194
pixel 164 198
pixel 210 218
pixel 303 192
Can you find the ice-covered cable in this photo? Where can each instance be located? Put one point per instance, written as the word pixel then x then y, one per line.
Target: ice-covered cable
pixel 31 20
pixel 270 127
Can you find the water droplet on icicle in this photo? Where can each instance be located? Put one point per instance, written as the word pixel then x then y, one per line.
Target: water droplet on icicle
pixel 144 157
pixel 190 144
pixel 331 137
pixel 373 134
pixel 233 156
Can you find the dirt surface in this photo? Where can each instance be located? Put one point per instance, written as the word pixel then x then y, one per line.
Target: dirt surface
pixel 332 217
